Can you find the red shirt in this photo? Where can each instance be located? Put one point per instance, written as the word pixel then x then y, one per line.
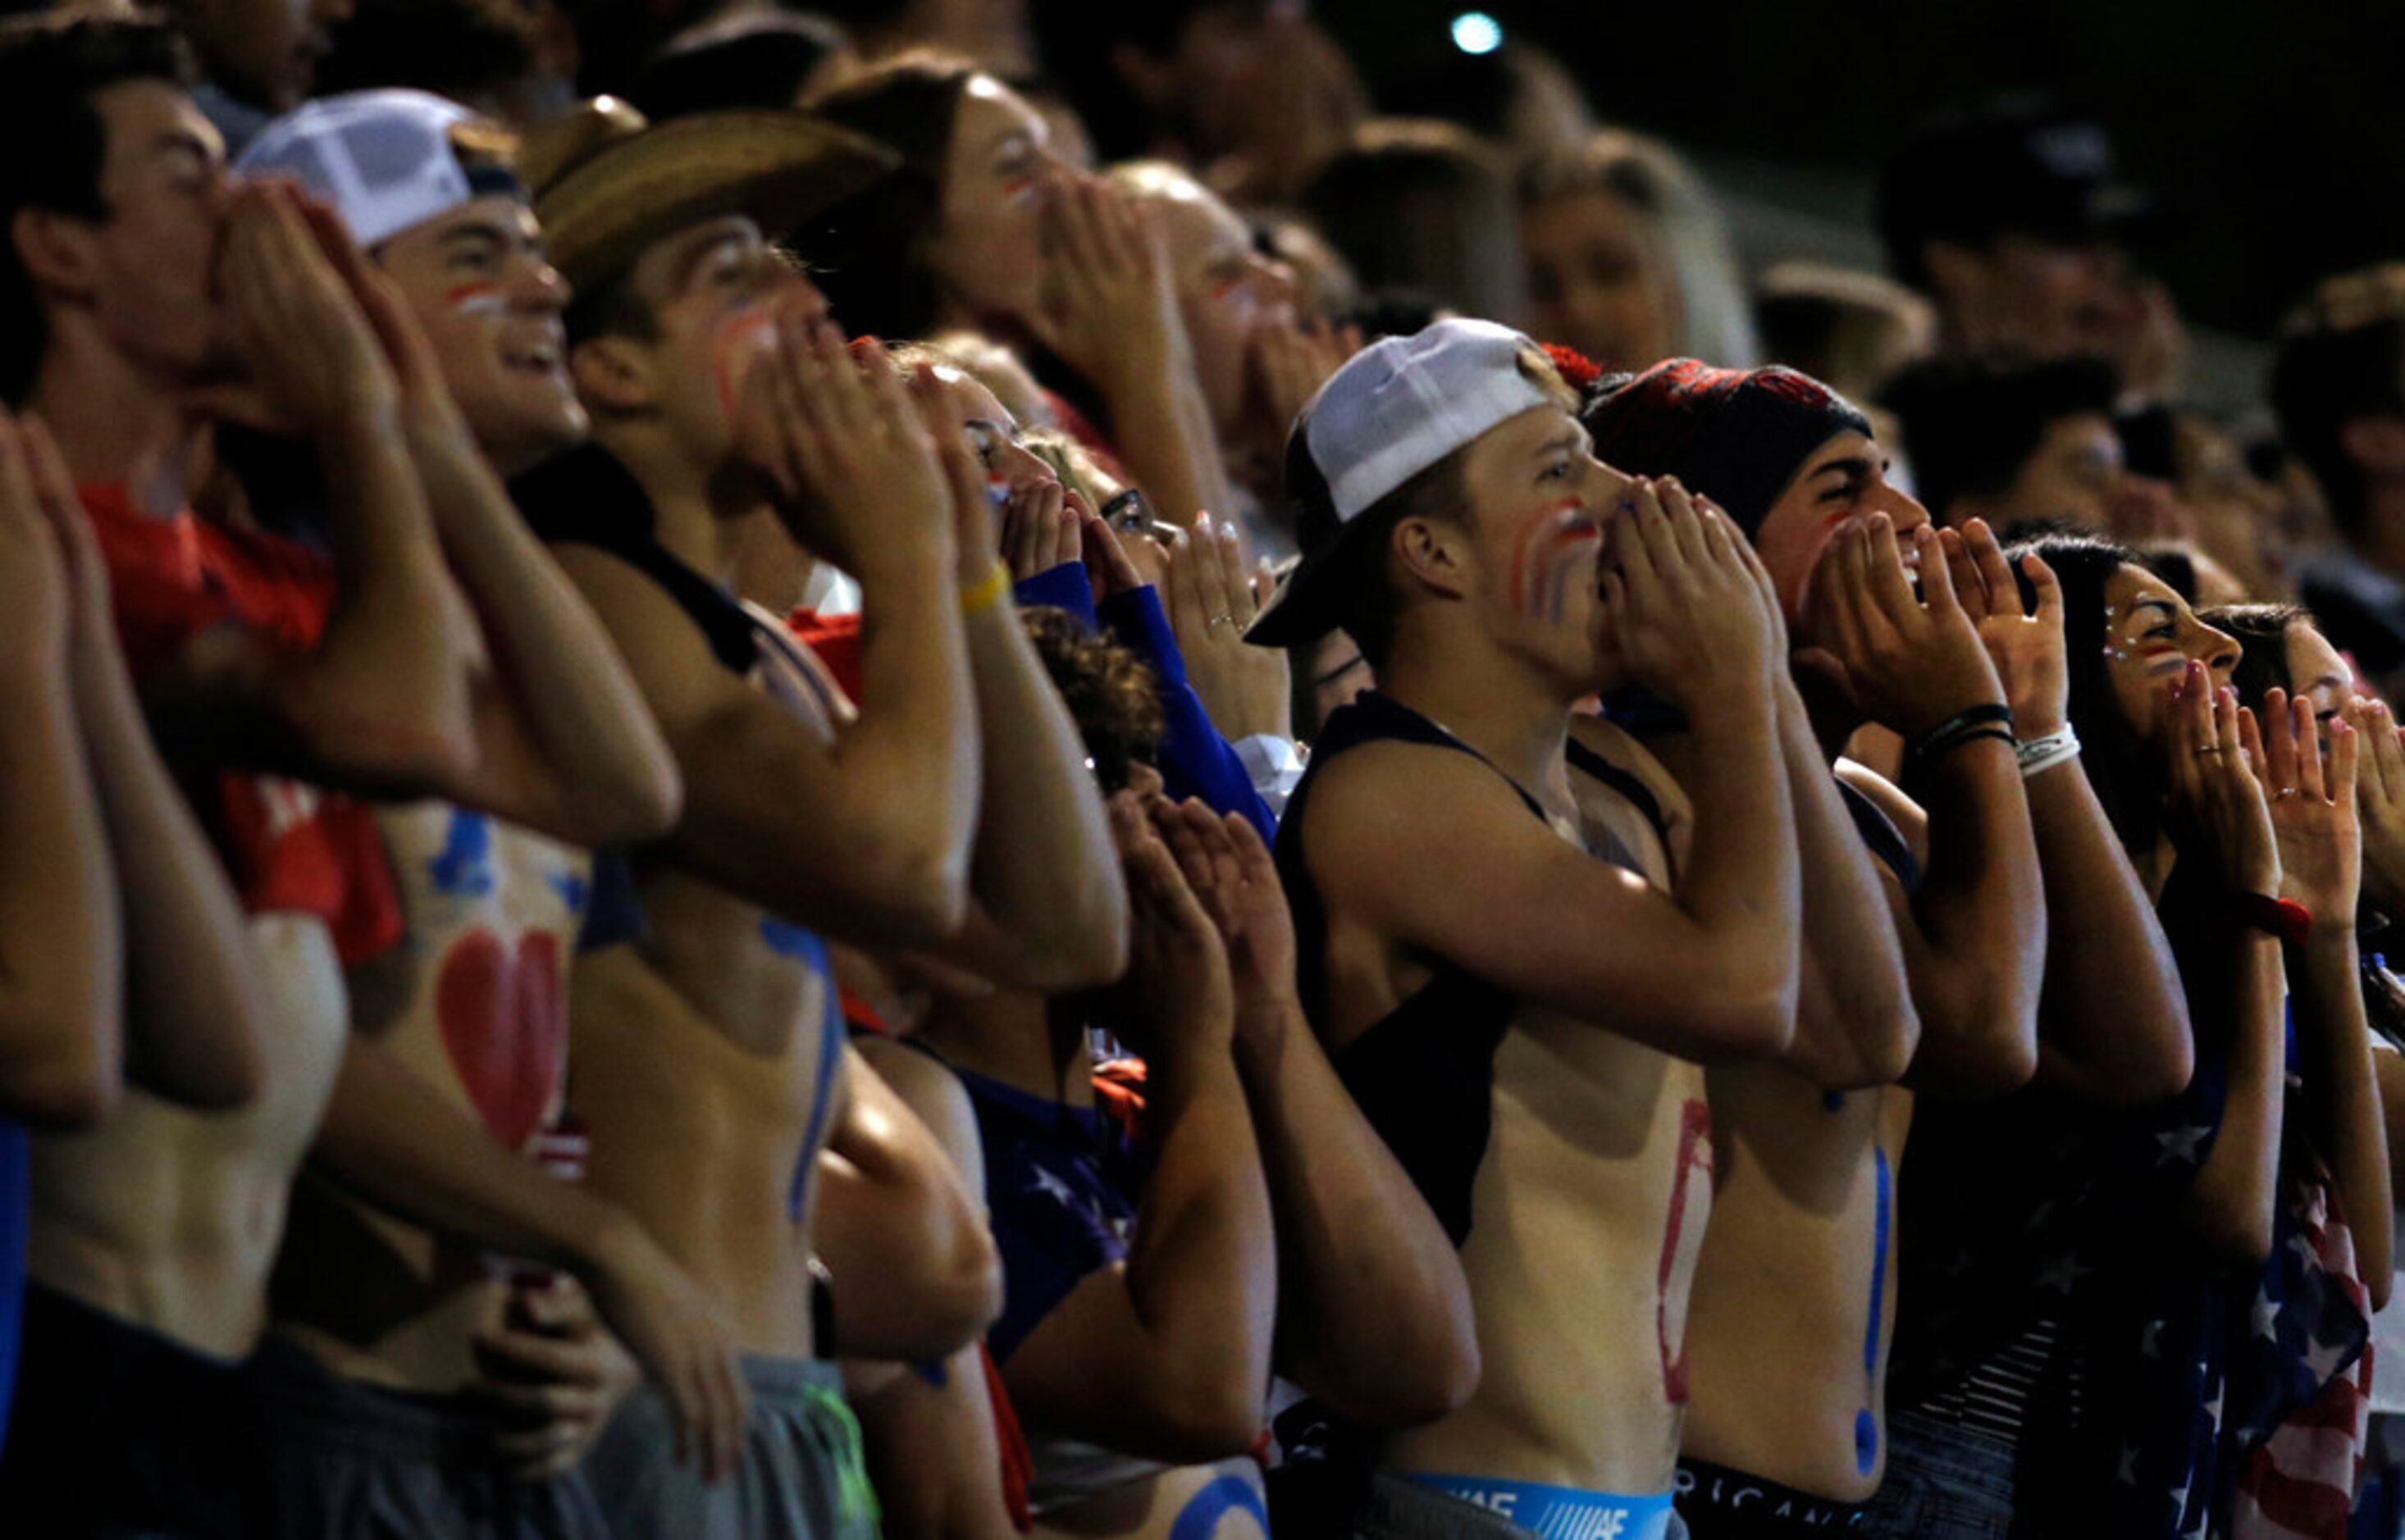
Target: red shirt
pixel 288 846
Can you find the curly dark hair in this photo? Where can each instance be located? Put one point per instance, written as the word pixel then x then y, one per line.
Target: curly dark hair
pixel 1111 692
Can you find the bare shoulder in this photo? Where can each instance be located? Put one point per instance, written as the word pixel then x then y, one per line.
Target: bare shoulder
pixel 1909 818
pixel 681 679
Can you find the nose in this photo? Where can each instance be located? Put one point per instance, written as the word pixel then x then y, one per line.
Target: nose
pixel 1018 465
pixel 2218 649
pixel 1901 508
pixel 540 287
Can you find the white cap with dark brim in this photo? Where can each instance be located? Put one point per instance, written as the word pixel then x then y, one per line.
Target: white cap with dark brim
pixel 1395 409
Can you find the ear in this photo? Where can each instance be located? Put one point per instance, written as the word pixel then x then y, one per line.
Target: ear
pixel 2376 444
pixel 613 376
pixel 1432 553
pixel 55 250
pixel 1148 78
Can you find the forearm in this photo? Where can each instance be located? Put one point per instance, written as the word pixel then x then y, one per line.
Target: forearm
pixel 913 756
pixel 2238 994
pixel 1374 1315
pixel 1166 440
pixel 197 1010
pixel 1742 883
pixel 1855 1024
pixel 385 693
pixel 1981 909
pixel 1043 868
pixel 1201 1266
pixel 2342 1091
pixel 2113 1024
pixel 398 1142
pixel 562 685
pixel 61 1009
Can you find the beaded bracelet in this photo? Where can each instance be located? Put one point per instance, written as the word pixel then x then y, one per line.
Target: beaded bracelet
pixel 1987 720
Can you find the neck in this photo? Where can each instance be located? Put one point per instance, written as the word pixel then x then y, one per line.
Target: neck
pixel 691 514
pixel 1512 714
pixel 117 425
pixel 2380 538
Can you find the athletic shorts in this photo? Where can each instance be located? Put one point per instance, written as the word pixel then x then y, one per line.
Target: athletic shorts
pixel 1721 1503
pixel 1563 1513
pixel 803 1476
pixel 367 1463
pixel 121 1431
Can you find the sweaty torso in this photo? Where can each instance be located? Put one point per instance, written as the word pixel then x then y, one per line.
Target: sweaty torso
pixel 1794 1301
pixel 708 1055
pixel 1589 1206
pixel 170 1218
pixel 475 1001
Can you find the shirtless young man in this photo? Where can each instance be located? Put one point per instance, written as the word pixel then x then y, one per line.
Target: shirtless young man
pixel 142 297
pixel 710 1055
pixel 1794 1299
pixel 1501 990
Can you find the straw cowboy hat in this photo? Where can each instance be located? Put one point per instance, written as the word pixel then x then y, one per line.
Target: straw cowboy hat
pixel 607 184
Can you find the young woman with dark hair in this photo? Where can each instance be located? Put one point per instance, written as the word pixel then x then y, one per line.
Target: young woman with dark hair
pixel 984 226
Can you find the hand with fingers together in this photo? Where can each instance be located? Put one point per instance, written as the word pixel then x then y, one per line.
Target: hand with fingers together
pixel 1687 611
pixel 554 1373
pixel 2024 644
pixel 2217 812
pixel 2312 807
pixel 1109 309
pixel 2380 802
pixel 1042 527
pixel 1211 601
pixel 1912 664
pixel 1293 358
pixel 312 359
pixel 1177 996
pixel 678 1336
pixel 852 470
pixel 1231 871
pixel 1121 562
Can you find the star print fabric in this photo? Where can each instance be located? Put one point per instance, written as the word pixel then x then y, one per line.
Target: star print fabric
pixel 1059 1182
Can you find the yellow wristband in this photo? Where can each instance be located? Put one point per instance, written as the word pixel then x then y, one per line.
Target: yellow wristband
pixel 984 596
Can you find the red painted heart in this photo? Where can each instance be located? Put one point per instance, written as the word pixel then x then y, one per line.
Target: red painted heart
pixel 504 1024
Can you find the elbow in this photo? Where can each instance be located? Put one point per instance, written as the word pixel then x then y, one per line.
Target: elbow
pixel 1744 1027
pixel 1086 948
pixel 637 805
pixel 2239 1245
pixel 1217 1416
pixel 61 1091
pixel 2376 1286
pixel 1409 1385
pixel 968 1298
pixel 921 888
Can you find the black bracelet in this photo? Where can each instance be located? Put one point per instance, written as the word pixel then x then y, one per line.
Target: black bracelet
pixel 1972 734
pixel 1954 729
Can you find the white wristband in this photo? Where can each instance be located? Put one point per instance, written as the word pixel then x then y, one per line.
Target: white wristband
pixel 2037 755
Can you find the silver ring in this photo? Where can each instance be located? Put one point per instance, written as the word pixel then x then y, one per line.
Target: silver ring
pixel 2283 794
pixel 1216 621
pixel 2209 748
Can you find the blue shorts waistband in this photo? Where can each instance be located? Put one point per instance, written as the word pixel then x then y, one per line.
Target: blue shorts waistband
pixel 1559 1513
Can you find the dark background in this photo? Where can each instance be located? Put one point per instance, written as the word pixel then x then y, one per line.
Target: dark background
pixel 2276 133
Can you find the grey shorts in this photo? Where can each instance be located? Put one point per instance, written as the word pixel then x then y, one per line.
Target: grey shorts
pixel 367 1463
pixel 803 1476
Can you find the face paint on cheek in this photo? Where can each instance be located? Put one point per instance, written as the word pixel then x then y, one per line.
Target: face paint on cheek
pixel 478 300
pixel 1555 544
pixel 743 339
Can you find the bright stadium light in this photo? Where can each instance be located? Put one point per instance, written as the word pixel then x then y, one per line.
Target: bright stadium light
pixel 1475 32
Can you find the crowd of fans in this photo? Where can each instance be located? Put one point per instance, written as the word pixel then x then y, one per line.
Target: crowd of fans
pixel 975 769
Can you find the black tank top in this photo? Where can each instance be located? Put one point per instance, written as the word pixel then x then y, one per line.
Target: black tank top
pixel 1423 1074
